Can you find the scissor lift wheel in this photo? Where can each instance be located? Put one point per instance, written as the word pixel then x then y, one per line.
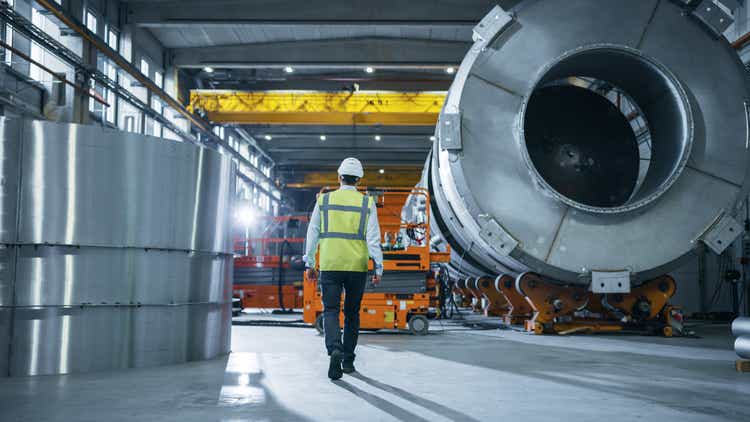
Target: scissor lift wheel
pixel 419 325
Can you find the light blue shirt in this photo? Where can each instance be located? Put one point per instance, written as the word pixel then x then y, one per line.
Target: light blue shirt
pixel 373 236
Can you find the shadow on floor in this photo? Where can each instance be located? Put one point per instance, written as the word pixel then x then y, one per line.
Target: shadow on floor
pixel 453 414
pixel 396 411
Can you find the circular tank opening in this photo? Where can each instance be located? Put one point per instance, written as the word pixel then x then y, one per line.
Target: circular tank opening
pixel 607 130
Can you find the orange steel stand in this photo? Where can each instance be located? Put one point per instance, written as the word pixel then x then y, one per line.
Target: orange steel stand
pixel 572 309
pixel 465 293
pixel 497 304
pixel 519 310
pixel 471 286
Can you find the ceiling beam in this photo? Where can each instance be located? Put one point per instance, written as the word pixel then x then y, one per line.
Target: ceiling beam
pixel 346 12
pixel 325 53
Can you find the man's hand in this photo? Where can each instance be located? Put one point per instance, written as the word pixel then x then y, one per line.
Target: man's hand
pixel 375 280
pixel 312 275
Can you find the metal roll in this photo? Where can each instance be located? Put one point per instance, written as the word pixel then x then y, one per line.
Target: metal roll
pixel 537 167
pixel 742 347
pixel 114 250
pixel 741 327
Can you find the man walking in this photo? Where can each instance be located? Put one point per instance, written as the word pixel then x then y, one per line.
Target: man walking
pixel 345 225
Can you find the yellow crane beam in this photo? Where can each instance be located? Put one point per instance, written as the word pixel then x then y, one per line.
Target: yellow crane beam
pixel 366 108
pixel 393 177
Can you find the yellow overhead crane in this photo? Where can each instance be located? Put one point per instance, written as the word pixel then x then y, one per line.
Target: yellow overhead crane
pixel 343 108
pixel 391 178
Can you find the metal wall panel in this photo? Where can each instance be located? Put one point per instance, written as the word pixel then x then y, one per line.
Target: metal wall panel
pixel 121 254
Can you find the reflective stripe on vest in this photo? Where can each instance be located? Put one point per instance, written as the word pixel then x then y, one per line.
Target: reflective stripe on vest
pixel 362 210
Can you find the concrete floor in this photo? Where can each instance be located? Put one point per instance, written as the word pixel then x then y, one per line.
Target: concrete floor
pixel 278 374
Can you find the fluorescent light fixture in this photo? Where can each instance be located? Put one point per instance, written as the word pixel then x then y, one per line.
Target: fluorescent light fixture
pixel 378 138
pixel 208 69
pixel 289 69
pixel 433 138
pixel 450 70
pixel 369 69
pixel 268 137
pixel 323 137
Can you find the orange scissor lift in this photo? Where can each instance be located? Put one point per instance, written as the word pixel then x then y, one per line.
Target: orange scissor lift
pixel 383 309
pixel 260 262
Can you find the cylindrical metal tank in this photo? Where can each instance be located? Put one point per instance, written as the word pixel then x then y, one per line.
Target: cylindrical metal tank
pixel 538 164
pixel 114 249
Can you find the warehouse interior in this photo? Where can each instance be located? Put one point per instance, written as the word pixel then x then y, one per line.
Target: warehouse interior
pixel 562 191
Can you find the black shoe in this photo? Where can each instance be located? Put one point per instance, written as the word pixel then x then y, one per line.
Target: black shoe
pixel 348 366
pixel 334 368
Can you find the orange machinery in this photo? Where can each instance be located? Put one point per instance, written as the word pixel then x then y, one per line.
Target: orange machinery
pixel 562 309
pixel 268 270
pixel 408 289
pixel 543 306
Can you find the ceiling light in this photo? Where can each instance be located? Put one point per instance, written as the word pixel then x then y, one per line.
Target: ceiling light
pixel 289 69
pixel 268 137
pixel 378 138
pixel 450 70
pixel 433 138
pixel 381 171
pixel 323 137
pixel 369 69
pixel 208 69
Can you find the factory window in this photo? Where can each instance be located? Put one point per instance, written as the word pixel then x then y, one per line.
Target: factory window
pixel 129 118
pixel 9 38
pixel 112 39
pixel 219 131
pixel 144 67
pixel 126 47
pixel 129 124
pixel 90 20
pixel 111 99
pixel 178 120
pixel 159 108
pixel 159 79
pixel 92 102
pixel 37 53
pixel 245 151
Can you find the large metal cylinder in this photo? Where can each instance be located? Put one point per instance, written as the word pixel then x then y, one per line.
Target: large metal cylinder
pixel 114 250
pixel 742 347
pixel 741 326
pixel 537 167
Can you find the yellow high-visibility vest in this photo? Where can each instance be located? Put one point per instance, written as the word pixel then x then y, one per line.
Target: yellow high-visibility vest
pixel 343 231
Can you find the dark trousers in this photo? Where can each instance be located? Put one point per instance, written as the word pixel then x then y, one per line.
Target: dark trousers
pixel 332 283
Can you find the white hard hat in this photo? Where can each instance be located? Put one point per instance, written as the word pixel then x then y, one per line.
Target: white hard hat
pixel 351 167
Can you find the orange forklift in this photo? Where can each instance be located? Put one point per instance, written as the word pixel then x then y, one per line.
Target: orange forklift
pixel 408 291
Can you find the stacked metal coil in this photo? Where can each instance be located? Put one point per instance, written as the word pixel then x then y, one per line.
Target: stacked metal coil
pixel 114 250
pixel 538 165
